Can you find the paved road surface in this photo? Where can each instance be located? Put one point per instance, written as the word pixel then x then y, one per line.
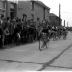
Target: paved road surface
pixel 27 57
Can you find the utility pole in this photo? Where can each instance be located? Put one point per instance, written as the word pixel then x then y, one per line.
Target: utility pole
pixel 59 14
pixel 64 23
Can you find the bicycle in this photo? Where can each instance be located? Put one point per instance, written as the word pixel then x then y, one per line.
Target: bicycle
pixel 43 40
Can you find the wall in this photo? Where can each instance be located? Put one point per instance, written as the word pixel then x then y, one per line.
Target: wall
pixel 8 9
pixel 1 4
pixel 39 11
pixel 2 10
pixel 54 20
pixel 46 14
pixel 24 7
pixel 10 5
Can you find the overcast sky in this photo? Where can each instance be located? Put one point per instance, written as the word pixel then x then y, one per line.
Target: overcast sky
pixel 66 9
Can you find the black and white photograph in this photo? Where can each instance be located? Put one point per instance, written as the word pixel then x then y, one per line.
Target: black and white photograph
pixel 35 35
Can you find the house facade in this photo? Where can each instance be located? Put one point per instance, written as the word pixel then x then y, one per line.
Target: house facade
pixel 33 9
pixel 54 20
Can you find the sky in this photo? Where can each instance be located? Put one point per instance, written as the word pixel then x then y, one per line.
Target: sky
pixel 66 9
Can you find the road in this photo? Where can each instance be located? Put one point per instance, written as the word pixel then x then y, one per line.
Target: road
pixel 27 57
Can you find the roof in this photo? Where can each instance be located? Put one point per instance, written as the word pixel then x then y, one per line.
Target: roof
pixel 38 2
pixel 42 4
pixel 52 14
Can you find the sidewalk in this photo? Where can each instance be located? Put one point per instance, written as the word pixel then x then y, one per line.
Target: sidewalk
pixel 28 57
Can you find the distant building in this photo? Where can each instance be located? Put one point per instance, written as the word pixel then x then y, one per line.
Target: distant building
pixel 54 20
pixel 33 9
